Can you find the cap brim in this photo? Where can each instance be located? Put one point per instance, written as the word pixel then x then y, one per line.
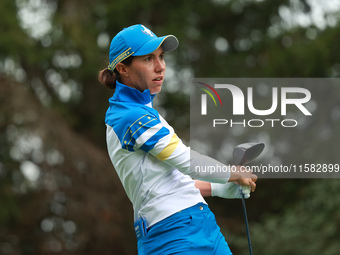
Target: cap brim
pixel 168 43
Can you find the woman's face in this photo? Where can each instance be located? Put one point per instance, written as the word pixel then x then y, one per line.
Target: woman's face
pixel 146 72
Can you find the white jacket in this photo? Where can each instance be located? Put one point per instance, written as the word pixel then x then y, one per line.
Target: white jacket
pixel 151 161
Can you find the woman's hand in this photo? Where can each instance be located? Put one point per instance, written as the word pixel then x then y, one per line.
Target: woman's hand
pixel 243 176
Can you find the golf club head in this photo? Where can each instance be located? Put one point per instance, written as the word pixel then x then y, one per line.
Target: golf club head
pixel 246 152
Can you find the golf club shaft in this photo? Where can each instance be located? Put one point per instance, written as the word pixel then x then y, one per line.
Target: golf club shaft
pixel 246 220
pixel 243 154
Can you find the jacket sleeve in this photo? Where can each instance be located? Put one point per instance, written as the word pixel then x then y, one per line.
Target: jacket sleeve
pixel 153 135
pixel 192 163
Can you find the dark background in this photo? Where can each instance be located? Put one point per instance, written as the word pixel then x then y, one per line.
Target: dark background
pixel 59 193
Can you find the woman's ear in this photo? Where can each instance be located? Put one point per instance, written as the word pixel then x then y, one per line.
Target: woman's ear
pixel 122 70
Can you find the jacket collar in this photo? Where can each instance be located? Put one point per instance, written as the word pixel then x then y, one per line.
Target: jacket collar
pixel 125 93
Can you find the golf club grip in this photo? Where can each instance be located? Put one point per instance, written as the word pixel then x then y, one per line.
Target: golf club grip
pixel 246 220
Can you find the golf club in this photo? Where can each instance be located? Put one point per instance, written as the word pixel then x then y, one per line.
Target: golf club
pixel 243 154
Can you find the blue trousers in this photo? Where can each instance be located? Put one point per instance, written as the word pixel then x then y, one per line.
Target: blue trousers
pixel 190 231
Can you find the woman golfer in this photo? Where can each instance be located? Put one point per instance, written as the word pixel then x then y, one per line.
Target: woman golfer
pixel 156 169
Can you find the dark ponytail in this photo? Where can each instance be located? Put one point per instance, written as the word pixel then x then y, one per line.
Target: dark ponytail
pixel 108 78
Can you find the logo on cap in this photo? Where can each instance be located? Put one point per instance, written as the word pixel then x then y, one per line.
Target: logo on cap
pixel 147 31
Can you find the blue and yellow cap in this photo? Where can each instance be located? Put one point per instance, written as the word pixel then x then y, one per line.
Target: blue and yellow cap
pixel 137 40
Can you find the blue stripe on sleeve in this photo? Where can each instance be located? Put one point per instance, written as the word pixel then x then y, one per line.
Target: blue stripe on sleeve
pixel 149 144
pixel 129 125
